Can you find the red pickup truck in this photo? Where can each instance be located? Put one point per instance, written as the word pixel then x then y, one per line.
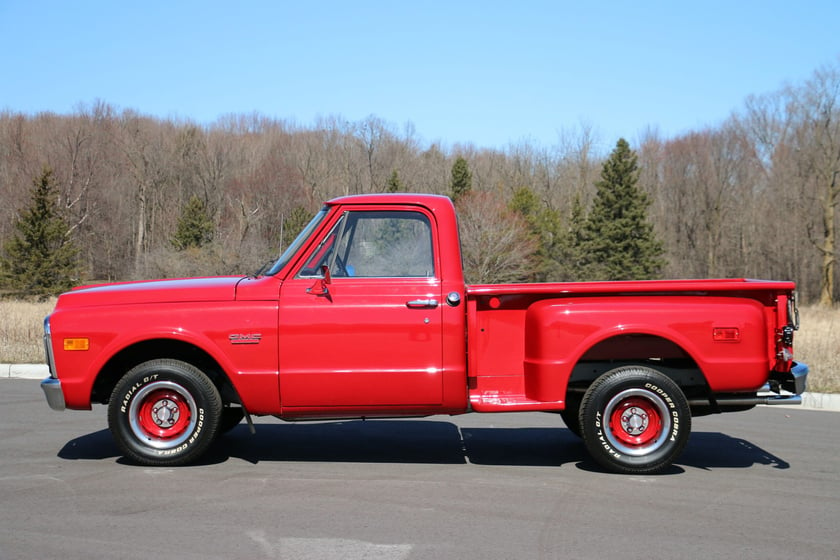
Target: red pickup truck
pixel 367 315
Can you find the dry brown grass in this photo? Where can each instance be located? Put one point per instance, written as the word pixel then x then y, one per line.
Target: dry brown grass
pixel 817 342
pixel 22 331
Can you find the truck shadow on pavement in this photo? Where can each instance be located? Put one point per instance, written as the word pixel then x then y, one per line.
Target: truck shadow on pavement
pixel 712 450
pixel 400 441
pixel 427 442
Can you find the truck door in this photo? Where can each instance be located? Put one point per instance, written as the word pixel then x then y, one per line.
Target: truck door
pixel 360 322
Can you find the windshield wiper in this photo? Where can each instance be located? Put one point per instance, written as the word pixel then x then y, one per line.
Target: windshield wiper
pixel 263 269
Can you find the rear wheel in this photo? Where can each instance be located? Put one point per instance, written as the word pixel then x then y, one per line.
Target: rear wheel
pixel 164 412
pixel 635 420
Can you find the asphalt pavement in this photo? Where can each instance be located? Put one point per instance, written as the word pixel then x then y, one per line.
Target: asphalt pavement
pixel 762 484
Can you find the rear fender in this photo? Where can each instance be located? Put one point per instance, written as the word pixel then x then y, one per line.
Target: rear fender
pixel 560 332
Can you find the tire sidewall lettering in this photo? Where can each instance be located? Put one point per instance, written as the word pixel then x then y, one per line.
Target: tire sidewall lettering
pixel 675 415
pixel 198 426
pixel 126 400
pixel 653 386
pixel 132 391
pixel 200 396
pixel 192 439
pixel 602 438
pixel 665 396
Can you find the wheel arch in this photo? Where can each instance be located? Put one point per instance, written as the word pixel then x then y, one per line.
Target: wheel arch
pixel 558 377
pixel 657 351
pixel 161 348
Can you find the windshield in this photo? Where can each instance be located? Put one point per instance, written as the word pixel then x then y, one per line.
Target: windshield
pixel 292 249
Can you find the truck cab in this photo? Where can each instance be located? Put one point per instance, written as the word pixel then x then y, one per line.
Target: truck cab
pixel 372 316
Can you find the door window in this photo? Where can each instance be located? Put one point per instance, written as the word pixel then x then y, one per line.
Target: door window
pixel 383 244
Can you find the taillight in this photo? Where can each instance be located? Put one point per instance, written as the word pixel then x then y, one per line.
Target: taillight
pixel 784 334
pixel 793 312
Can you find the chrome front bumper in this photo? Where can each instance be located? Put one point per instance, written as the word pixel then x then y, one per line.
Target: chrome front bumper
pixel 51 385
pixel 53 392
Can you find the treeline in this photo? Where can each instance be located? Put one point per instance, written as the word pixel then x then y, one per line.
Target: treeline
pixel 755 196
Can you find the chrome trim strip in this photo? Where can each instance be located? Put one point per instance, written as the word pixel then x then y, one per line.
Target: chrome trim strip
pixel 48 349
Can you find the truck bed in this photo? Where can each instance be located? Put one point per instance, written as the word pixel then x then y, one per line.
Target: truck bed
pixel 528 343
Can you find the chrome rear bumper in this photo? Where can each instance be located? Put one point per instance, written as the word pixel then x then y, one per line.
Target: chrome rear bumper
pixel 799 373
pixel 781 389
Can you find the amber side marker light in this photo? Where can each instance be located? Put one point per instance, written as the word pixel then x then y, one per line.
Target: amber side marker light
pixel 76 344
pixel 726 334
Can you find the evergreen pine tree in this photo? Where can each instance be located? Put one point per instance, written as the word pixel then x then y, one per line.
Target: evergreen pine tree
pixel 195 226
pixel 546 226
pixel 40 259
pixel 461 183
pixel 618 242
pixel 394 183
pixel 571 243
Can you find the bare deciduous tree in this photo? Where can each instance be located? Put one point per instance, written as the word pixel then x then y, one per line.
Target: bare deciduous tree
pixel 495 242
pixel 755 196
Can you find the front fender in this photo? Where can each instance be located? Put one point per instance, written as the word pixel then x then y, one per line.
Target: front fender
pixel 251 368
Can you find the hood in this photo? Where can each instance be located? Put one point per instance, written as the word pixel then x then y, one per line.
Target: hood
pixel 222 288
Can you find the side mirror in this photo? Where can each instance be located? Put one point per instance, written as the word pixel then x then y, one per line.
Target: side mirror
pixel 321 285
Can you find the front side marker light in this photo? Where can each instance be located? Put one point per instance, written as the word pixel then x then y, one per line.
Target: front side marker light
pixel 76 344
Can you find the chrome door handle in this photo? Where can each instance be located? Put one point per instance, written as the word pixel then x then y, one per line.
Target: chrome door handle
pixel 422 303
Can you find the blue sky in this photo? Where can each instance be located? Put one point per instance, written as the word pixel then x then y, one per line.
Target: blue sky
pixel 487 73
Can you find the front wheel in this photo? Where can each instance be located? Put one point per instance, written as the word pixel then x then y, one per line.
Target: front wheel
pixel 571 414
pixel 164 412
pixel 635 420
